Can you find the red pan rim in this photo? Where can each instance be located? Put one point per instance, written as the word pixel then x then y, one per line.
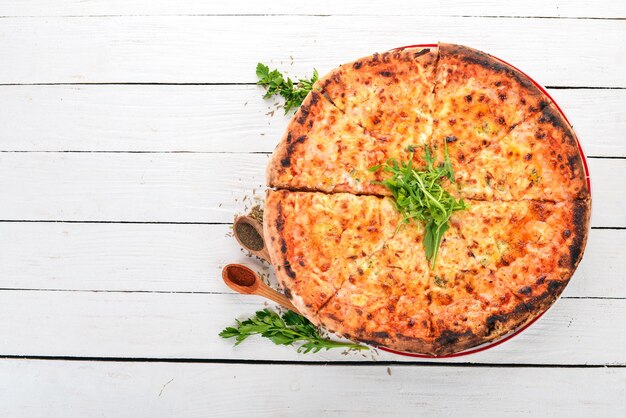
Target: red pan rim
pixel 506 338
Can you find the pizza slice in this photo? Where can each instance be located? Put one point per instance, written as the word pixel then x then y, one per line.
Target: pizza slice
pixel 316 240
pixel 554 246
pixel 390 94
pixel 498 234
pixel 539 159
pixel 469 304
pixel 471 307
pixel 323 150
pixel 478 100
pixel 500 265
pixel 385 299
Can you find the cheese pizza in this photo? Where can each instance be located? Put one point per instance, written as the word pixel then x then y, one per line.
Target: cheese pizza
pixel 348 249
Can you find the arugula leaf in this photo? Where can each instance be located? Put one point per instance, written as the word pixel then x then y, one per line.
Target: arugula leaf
pixel 418 194
pixel 286 329
pixel 293 92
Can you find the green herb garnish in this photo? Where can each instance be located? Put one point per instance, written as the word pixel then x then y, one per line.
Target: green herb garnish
pixel 293 92
pixel 419 195
pixel 288 329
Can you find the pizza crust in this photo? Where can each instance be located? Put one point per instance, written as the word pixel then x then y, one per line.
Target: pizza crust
pixel 276 242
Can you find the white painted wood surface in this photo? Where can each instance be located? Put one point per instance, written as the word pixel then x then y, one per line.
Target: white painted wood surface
pixel 222 49
pixel 529 8
pixel 116 200
pixel 215 118
pixel 166 390
pixel 176 325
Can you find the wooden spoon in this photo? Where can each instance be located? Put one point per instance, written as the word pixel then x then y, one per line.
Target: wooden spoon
pixel 245 281
pixel 249 234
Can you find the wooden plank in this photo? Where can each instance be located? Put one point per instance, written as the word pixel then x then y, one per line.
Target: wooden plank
pixel 560 8
pixel 189 258
pixel 92 389
pixel 215 118
pixel 597 125
pixel 183 187
pixel 218 49
pixel 131 187
pixel 156 325
pixel 139 118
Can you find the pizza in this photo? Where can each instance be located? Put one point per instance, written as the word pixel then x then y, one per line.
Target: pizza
pixel 348 259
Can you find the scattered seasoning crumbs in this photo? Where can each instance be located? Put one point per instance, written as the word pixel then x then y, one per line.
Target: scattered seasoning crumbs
pixel 257 213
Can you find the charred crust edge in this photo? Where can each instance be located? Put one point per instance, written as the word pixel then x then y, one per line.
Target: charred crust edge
pixel 510 320
pixel 291 147
pixel 552 116
pixel 580 220
pixel 540 303
pixel 421 52
pixel 289 270
pixel 280 218
pixel 473 56
pixel 451 342
pixel 301 117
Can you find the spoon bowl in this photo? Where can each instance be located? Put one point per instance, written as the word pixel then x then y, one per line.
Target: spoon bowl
pixel 249 234
pixel 243 280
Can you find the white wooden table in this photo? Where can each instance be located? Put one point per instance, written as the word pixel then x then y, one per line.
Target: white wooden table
pixel 131 131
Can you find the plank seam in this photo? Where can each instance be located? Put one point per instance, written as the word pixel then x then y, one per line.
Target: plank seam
pixel 355 363
pixel 310 15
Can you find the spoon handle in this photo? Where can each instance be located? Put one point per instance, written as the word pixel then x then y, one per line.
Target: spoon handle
pixel 269 293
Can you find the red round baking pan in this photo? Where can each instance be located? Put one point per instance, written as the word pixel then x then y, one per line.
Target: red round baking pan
pixel 506 338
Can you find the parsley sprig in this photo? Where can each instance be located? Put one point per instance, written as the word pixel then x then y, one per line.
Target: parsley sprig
pixel 418 194
pixel 293 92
pixel 288 329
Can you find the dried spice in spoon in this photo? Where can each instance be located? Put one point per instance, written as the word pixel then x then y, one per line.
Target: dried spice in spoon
pixel 249 236
pixel 248 231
